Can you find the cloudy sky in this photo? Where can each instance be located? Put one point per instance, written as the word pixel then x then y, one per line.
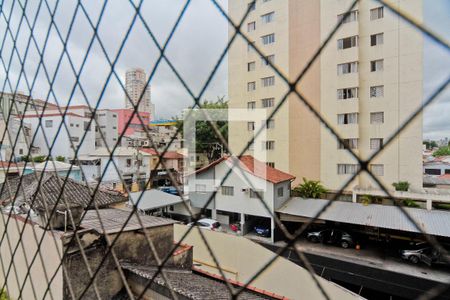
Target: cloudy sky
pixel 194 49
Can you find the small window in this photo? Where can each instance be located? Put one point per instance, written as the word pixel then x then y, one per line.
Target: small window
pixel 348 144
pixel 269 58
pixel 376 39
pixel 71 124
pixel 347 68
pixel 376 65
pixel 255 194
pixel 351 16
pixel 128 162
pixel 268 18
pixel 250 126
pixel 114 116
pixel 376 144
pixel 87 126
pixel 227 190
pixel 268 145
pixel 433 171
pixel 347 168
pixel 268 81
pixel 268 39
pixel 377 169
pixel 348 42
pixel 48 123
pixel 20 151
pixel 268 102
pixel 377 117
pixel 251 66
pixel 280 192
pixel 251 26
pixel 350 118
pixel 74 139
pixel 251 86
pixel 376 13
pixel 270 124
pixel 270 164
pixel 347 93
pixel 376 91
pixel 251 105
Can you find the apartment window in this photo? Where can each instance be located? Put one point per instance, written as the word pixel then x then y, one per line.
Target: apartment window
pixel 376 39
pixel 250 126
pixel 347 93
pixel 376 13
pixel 270 164
pixel 255 194
pixel 268 81
pixel 200 188
pixel 74 139
pixel 348 143
pixel 350 118
pixel 250 46
pixel 376 144
pixel 251 26
pixel 227 190
pixel 269 58
pixel 71 124
pixel 251 66
pixel 77 125
pixel 376 65
pixel 251 105
pixel 347 68
pixel 376 91
pixel 280 192
pixel 20 151
pixel 268 145
pixel 114 116
pixel 377 117
pixel 377 169
pixel 128 162
pixel 48 123
pixel 347 168
pixel 348 17
pixel 251 86
pixel 270 124
pixel 86 126
pixel 252 6
pixel 268 102
pixel 267 18
pixel 268 39
pixel 348 42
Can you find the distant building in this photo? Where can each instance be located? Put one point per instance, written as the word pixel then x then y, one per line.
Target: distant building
pixel 125 116
pixel 437 166
pixel 135 83
pixel 108 125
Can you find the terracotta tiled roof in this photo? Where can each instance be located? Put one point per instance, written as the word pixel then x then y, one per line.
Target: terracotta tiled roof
pixel 168 154
pixel 445 176
pixel 255 167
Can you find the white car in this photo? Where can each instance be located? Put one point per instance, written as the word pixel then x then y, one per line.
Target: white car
pixel 208 224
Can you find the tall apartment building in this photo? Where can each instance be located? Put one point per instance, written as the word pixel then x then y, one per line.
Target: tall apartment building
pixel 365 83
pixel 135 82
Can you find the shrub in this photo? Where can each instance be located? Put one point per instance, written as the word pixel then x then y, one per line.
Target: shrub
pixel 310 189
pixel 60 158
pixel 410 203
pixel 442 151
pixel 401 186
pixel 39 159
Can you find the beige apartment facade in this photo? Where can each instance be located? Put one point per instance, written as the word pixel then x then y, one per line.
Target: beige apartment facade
pixel 364 84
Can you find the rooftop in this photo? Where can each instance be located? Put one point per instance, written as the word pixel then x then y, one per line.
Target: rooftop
pixel 434 222
pixel 188 284
pixel 44 195
pixel 114 219
pixel 152 199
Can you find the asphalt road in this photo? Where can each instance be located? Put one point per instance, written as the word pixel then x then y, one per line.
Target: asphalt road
pixel 377 283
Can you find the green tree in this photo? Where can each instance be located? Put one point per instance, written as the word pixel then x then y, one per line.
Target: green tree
pixel 310 189
pixel 39 159
pixel 206 139
pixel 4 295
pixel 60 158
pixel 442 151
pixel 401 186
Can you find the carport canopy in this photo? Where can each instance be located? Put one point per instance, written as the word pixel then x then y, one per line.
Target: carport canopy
pixel 433 222
pixel 153 199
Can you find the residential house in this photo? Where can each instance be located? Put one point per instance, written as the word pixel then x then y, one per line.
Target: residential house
pixel 437 166
pixel 172 164
pixel 238 197
pixel 58 167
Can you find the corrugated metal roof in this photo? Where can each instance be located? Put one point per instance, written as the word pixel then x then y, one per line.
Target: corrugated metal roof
pixel 434 222
pixel 113 220
pixel 152 199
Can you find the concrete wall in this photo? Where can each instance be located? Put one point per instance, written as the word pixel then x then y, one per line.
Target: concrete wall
pixel 241 259
pixel 47 263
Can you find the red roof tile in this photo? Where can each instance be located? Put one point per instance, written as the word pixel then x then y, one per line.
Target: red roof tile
pixel 255 167
pixel 445 176
pixel 167 155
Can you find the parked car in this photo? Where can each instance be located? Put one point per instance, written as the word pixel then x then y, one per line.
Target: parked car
pixel 331 236
pixel 425 254
pixel 208 224
pixel 262 230
pixel 169 189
